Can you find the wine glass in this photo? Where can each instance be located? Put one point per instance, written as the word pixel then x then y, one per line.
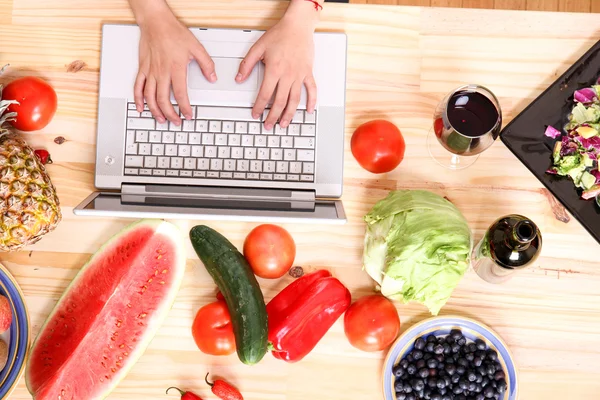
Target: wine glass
pixel 465 123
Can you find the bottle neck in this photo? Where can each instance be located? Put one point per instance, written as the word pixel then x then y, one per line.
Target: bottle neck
pixel 522 234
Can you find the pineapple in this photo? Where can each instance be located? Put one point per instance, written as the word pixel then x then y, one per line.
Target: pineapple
pixel 29 207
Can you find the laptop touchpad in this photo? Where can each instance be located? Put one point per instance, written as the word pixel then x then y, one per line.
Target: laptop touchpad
pixel 227 69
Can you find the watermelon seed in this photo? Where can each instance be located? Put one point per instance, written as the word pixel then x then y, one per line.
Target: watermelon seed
pixel 140 323
pixel 106 376
pixel 125 354
pixel 120 358
pixel 162 282
pixel 62 392
pixel 73 319
pixel 150 280
pixel 104 357
pixel 122 346
pixel 69 310
pixel 52 330
pixel 142 315
pixel 118 324
pixel 118 364
pixel 164 271
pixel 101 380
pixel 113 370
pixel 156 273
pixel 158 257
pixel 103 364
pixel 129 305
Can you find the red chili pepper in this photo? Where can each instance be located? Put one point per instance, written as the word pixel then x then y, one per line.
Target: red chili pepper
pixel 224 390
pixel 185 395
pixel 316 4
pixel 302 313
pixel 44 156
pixel 220 296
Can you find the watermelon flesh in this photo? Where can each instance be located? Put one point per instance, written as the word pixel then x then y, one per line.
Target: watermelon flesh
pixel 108 315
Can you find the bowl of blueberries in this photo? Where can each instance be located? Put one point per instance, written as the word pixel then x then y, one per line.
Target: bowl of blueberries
pixel 449 358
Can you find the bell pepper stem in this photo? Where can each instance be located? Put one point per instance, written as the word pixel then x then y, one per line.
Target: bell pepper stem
pixel 206 380
pixel 176 388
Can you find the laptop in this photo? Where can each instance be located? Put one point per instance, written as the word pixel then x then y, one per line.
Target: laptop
pixel 222 164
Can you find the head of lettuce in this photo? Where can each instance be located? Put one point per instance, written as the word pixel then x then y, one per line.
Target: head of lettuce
pixel 417 247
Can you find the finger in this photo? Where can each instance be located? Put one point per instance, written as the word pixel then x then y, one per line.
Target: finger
pixel 281 99
pixel 163 97
pixel 292 105
pixel 150 94
pixel 138 91
pixel 311 92
pixel 180 91
pixel 206 63
pixel 264 94
pixel 249 62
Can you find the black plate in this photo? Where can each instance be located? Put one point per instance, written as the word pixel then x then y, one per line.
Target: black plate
pixel 524 136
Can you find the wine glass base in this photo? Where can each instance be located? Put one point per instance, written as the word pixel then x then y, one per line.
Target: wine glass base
pixel 445 158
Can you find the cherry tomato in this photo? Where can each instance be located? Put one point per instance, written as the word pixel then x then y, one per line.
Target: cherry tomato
pixel 212 330
pixel 378 146
pixel 37 102
pixel 270 251
pixel 371 323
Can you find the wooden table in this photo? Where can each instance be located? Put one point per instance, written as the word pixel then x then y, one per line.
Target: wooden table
pixel 401 62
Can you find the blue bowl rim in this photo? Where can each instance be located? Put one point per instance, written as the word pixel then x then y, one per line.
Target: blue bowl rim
pixel 441 317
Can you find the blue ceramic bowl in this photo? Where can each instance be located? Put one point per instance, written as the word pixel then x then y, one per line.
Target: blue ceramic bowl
pixel 17 335
pixel 441 326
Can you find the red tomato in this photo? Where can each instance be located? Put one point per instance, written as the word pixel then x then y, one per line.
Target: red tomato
pixel 37 102
pixel 371 323
pixel 212 330
pixel 378 146
pixel 270 251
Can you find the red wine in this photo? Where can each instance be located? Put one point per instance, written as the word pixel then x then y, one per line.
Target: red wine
pixel 471 113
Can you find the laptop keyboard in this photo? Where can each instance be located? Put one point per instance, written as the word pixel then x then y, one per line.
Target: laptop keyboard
pixel 220 143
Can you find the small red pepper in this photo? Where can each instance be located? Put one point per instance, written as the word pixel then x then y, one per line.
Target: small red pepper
pixel 185 395
pixel 302 313
pixel 44 156
pixel 224 390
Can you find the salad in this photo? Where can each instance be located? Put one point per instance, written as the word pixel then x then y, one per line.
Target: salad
pixel 577 150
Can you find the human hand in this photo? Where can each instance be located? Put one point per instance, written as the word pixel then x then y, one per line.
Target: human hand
pixel 166 49
pixel 287 50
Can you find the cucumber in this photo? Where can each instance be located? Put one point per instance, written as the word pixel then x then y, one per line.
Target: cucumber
pixel 236 281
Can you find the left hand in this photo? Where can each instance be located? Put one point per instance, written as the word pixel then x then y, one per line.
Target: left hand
pixel 287 50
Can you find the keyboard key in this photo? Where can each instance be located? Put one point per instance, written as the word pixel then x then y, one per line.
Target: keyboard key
pixel 298 117
pixel 305 155
pixel 134 161
pixel 234 140
pixel 228 127
pixel 279 130
pixel 171 150
pixel 276 154
pixel 184 151
pixel 189 163
pixel 164 162
pixel 273 141
pixel 131 171
pixel 250 153
pixel 254 128
pixel 294 130
pixel 158 149
pixel 229 165
pixel 260 141
pixel 279 177
pixel 197 151
pixel 247 140
pixel 133 114
pixel 237 152
pixel 243 165
pixel 266 131
pixel 201 126
pixel 263 154
pixel 266 177
pixel 310 118
pixel 131 106
pixel 172 172
pixel 287 142
pixel 306 178
pixel 208 138
pixel 145 171
pixel 226 175
pixel 255 166
pixel 304 143
pixel 162 127
pixel 269 166
pixel 146 114
pixel 210 151
pixel 187 174
pixel 129 138
pixel 221 139
pixel 292 177
pixel 214 126
pixel 289 154
pixel 204 163
pixel 159 172
pixel 168 137
pixel 282 167
pixel 238 114
pixel 224 152
pixel 199 174
pixel 239 175
pixel 181 138
pixel 174 128
pixel 141 136
pixel 241 127
pixel 216 164
pixel 195 138
pixel 252 176
pixel 212 174
pixel 309 168
pixel 131 148
pixel 188 125
pixel 155 137
pixel 145 149
pixel 176 162
pixel 149 162
pixel 307 130
pixel 296 168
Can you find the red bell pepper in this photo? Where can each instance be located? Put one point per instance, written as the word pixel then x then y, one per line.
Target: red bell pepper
pixel 301 314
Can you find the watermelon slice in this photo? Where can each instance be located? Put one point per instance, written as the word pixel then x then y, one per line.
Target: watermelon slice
pixel 108 315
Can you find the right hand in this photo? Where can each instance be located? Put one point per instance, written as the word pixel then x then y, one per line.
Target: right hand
pixel 166 49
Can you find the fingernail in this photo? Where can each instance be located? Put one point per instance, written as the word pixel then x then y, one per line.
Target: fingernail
pixel 213 77
pixel 161 120
pixel 139 109
pixel 254 115
pixel 284 123
pixel 238 77
pixel 268 127
pixel 188 116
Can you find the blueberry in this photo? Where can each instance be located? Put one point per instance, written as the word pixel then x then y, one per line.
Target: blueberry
pixel 438 349
pixel 472 386
pixel 423 373
pixel 420 364
pixel 482 370
pixel 448 381
pixel 450 369
pixel 456 334
pixel 411 396
pixel 417 354
pixel 470 356
pixel 480 344
pixel 439 357
pixel 463 362
pixel 409 357
pixel 455 348
pixel 463 384
pixel 499 375
pixel 432 372
pixel 441 383
pixel 411 369
pixel 432 382
pixel 462 341
pixel 420 343
pixel 431 338
pixel 480 354
pixel 489 392
pixel 460 397
pixel 429 347
pixel 471 376
pixel 404 363
pixel 399 387
pixel 472 347
pixel 455 378
pixel 432 363
pixel 479 378
pixel 449 339
pixel 443 391
pixel 478 388
pixel 441 368
pixel 417 384
pixel 407 389
pixel 446 397
pixel 447 348
pixel 457 390
pixel 491 369
pixel 498 367
pixel 460 370
pixel 398 371
pixel 427 356
pixel 436 396
pixel 485 381
pixel 501 386
pixel 400 396
pixel 480 397
pixel 477 361
pixel 492 355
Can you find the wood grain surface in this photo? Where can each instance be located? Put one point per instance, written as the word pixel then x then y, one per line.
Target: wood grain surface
pixel 536 5
pixel 401 62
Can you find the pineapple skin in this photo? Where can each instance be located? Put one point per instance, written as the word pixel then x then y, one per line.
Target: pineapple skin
pixel 29 206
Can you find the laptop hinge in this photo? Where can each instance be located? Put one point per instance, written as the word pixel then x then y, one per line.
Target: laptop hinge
pixel 220 192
